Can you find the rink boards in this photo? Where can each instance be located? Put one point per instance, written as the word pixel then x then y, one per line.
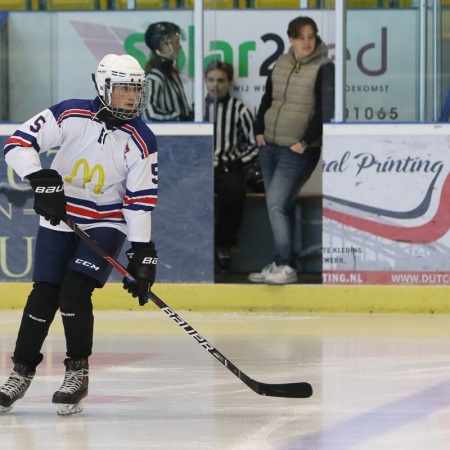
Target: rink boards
pixel 262 298
pixel 182 223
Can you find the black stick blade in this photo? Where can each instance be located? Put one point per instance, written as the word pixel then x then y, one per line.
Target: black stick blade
pixel 290 390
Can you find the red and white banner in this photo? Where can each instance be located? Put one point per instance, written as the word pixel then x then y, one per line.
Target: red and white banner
pixel 385 210
pixel 406 278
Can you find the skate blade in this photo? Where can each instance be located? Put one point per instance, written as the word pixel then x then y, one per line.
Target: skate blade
pixel 66 410
pixel 5 409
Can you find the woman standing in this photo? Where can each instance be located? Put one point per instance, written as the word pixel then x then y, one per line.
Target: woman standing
pixel 299 97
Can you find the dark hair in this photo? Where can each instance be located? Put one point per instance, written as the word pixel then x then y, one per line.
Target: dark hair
pixel 219 65
pixel 297 24
pixel 155 34
pixel 160 31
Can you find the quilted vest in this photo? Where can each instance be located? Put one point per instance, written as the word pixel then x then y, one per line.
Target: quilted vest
pixel 293 97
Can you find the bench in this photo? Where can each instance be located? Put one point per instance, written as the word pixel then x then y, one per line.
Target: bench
pixel 255 250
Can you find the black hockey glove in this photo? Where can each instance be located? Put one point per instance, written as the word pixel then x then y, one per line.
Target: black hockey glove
pixel 49 198
pixel 142 261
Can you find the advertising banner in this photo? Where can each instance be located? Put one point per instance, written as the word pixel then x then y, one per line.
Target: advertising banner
pixel 381 66
pixel 385 207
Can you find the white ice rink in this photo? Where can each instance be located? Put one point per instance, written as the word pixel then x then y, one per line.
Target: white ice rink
pixel 380 382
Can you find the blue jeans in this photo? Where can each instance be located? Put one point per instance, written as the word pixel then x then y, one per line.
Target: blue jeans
pixel 284 172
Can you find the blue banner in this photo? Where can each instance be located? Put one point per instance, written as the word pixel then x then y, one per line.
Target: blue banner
pixel 182 222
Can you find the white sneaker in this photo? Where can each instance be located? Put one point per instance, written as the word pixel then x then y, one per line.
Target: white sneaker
pixel 259 277
pixel 281 275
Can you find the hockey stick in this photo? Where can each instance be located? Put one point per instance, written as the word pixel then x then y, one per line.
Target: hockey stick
pixel 290 390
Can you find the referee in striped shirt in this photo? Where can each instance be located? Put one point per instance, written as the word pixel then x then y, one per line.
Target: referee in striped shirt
pixel 234 147
pixel 167 101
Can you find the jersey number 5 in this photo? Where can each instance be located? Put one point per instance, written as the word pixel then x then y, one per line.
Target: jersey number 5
pixel 37 124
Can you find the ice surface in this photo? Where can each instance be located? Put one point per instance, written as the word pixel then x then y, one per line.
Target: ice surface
pixel 380 382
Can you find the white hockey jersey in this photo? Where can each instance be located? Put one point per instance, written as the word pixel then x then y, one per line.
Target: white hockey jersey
pixel 110 173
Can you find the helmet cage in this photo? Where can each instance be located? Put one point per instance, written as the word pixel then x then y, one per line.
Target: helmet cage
pixel 121 113
pixel 122 70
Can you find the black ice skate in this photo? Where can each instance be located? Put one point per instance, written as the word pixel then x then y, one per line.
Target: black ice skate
pixel 16 386
pixel 74 388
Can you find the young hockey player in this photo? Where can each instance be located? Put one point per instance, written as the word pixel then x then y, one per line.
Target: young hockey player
pixel 104 177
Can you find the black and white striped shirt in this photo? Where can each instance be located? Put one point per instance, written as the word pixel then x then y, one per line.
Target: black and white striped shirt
pixel 233 130
pixel 167 101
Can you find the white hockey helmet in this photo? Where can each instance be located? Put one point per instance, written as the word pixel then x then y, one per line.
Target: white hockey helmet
pixel 121 70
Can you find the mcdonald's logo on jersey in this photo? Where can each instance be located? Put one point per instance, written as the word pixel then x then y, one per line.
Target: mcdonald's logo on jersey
pixel 88 174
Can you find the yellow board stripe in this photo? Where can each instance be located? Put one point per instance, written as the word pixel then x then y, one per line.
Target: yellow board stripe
pixel 262 298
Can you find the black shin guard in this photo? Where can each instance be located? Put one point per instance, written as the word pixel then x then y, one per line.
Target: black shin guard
pixel 38 315
pixel 76 313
